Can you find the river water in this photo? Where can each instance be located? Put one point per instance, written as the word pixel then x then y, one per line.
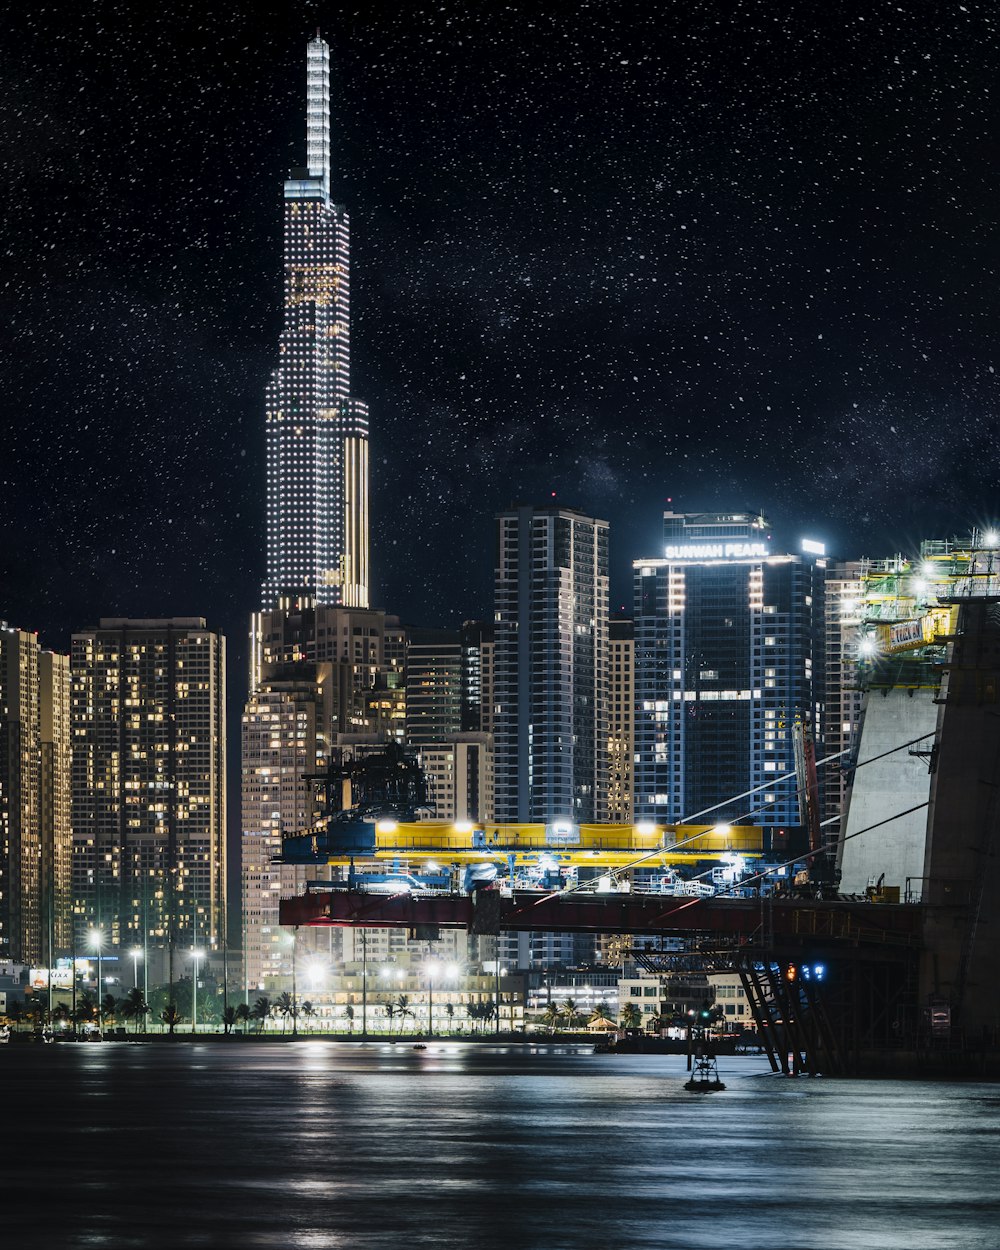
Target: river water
pixel 324 1144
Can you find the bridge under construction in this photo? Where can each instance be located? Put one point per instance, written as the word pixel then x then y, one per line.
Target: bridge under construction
pixel 836 985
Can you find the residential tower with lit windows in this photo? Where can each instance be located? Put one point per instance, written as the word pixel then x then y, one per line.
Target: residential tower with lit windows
pixel 550 666
pixel 148 721
pixel 35 834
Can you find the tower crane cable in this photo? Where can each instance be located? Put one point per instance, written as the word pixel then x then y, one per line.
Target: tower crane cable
pixel 756 790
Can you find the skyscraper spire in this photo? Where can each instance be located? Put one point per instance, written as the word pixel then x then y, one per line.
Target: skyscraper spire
pixel 318 111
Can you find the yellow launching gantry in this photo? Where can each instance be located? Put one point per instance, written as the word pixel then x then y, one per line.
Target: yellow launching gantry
pixel 911 604
pixel 567 844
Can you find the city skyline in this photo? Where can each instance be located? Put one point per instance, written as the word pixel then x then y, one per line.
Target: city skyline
pixel 873 285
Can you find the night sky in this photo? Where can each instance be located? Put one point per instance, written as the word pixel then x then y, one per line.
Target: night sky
pixel 737 255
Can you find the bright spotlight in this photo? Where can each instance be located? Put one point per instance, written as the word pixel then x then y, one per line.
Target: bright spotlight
pixel 722 829
pixel 386 826
pixel 645 827
pixel 992 538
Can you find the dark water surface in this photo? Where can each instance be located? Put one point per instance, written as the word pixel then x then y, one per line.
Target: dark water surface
pixel 320 1144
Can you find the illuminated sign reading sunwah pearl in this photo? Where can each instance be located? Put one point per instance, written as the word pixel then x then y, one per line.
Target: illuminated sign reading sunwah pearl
pixel 717 551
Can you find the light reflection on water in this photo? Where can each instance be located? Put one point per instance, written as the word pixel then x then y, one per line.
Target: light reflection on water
pixel 317 1144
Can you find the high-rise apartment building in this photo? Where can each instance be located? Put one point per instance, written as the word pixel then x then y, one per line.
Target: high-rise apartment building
pixel 316 433
pixel 149 783
pixel 550 656
pixel 621 721
pixel 34 798
pixel 20 817
pixel 35 834
pixel 286 732
pixel 728 655
pixel 550 689
pixel 55 804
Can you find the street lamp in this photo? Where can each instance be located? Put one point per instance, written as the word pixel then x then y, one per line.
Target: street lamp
pixel 364 984
pixel 196 954
pixel 97 943
pixel 432 969
pixel 499 972
pixel 295 994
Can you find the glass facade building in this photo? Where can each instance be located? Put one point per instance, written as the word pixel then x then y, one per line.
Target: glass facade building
pixel 728 656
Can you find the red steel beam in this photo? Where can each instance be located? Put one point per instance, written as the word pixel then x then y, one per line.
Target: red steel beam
pixel 865 923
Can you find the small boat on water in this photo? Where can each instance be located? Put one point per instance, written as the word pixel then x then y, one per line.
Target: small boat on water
pixel 705 1076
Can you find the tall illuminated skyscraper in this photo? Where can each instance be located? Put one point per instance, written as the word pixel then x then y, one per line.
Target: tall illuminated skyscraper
pixel 317 434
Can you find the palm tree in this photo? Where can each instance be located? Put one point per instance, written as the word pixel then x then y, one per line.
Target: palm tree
pixel 86 1007
pixel 134 1007
pixel 449 1011
pixel 171 1017
pixel 110 1007
pixel 390 1011
pixel 569 1011
pixel 242 1013
pixel 228 1019
pixel 403 1010
pixel 631 1016
pixel 600 1017
pixel 349 1017
pixel 551 1016
pixel 285 1008
pixel 308 1010
pixel 261 1012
